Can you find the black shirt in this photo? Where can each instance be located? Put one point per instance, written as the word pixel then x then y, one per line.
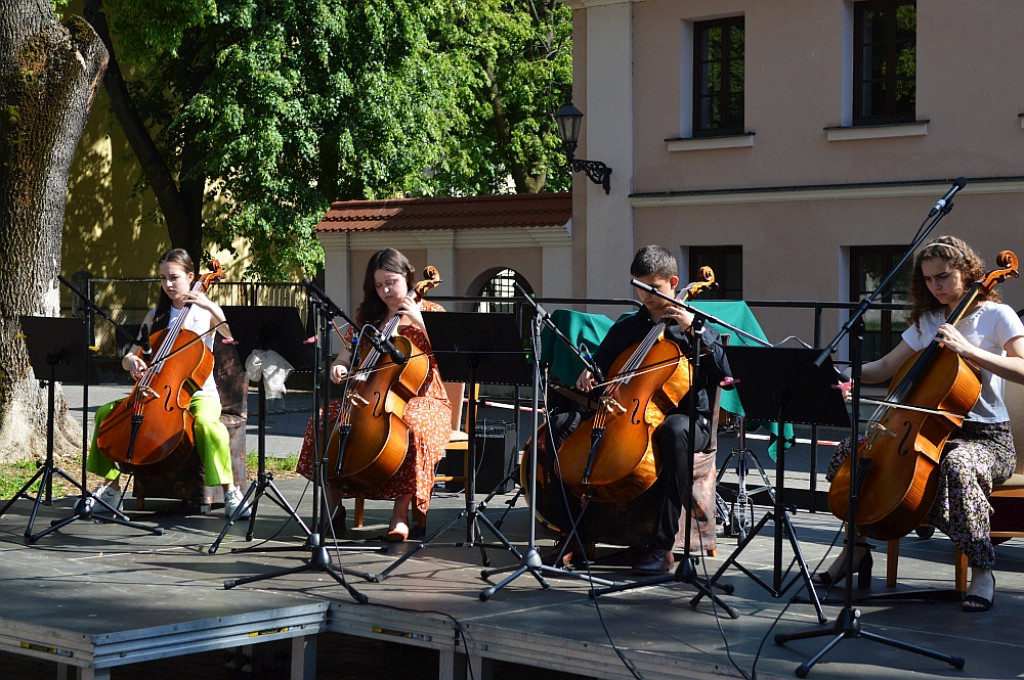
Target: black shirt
pixel 632 329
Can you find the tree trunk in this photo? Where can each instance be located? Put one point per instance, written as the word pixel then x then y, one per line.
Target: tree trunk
pixel 49 75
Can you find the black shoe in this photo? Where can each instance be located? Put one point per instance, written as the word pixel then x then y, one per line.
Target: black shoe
pixel 653 561
pixel 863 569
pixel 977 603
pixel 571 557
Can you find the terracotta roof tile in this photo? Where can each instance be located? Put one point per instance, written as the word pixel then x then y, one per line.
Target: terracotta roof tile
pixel 471 212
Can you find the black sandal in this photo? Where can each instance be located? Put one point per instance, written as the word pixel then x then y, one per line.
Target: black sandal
pixel 977 603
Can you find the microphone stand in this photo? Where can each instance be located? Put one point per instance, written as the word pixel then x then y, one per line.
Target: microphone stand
pixel 320 558
pixel 86 506
pixel 531 561
pixel 686 571
pixel 847 624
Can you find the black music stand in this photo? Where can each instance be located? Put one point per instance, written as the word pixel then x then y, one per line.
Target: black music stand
pixel 475 349
pixel 783 385
pixel 319 557
pixel 266 328
pixel 531 561
pixel 53 352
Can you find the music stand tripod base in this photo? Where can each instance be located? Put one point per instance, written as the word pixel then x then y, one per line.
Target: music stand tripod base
pixel 319 560
pixel 53 353
pixel 784 385
pixel 804 392
pixel 277 329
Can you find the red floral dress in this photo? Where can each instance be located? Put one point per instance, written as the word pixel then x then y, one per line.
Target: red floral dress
pixel 429 417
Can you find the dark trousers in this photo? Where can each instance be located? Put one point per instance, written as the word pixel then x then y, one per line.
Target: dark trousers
pixel 673 438
pixel 674 444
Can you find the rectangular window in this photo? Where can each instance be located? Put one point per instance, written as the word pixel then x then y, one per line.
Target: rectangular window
pixel 884 62
pixel 718 49
pixel 869 265
pixel 727 264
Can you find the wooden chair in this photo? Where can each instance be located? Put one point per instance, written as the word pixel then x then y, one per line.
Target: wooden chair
pixel 458 441
pixel 1007 498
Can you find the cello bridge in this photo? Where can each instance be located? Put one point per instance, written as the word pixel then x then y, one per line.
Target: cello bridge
pixel 878 427
pixel 356 399
pixel 609 404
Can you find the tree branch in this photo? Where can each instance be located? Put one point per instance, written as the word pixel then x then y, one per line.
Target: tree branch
pixel 152 161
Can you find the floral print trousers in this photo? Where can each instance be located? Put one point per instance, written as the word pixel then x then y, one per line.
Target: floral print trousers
pixel 976 456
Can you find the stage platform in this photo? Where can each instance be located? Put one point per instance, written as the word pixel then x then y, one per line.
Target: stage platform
pixel 99 600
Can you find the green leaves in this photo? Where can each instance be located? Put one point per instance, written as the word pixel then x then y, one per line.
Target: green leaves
pixel 281 108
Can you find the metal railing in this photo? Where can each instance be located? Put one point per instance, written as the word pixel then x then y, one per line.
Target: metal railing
pixel 131 299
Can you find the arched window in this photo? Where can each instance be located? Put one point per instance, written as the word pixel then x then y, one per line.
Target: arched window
pixel 501 287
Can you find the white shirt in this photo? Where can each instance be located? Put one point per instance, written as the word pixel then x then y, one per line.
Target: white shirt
pixel 198 321
pixel 989 327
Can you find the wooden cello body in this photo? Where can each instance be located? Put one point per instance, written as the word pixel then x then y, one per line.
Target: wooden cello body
pixel 905 447
pixel 151 429
pixel 625 461
pixel 369 442
pixel 617 523
pixel 929 398
pixel 377 437
pixel 613 456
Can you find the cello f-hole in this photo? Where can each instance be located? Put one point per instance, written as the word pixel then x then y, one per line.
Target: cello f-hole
pixel 634 417
pixel 903 448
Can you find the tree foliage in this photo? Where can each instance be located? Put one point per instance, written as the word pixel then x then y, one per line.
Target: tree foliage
pixel 250 117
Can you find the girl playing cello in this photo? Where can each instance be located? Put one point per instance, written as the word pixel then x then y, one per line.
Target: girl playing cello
pixel 211 436
pixel 387 288
pixel 990 336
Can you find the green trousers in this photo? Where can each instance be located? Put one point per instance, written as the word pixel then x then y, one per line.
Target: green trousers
pixel 211 437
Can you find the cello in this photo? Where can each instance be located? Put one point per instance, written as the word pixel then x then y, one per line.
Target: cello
pixel 612 456
pixel 929 398
pixel 369 441
pixel 151 429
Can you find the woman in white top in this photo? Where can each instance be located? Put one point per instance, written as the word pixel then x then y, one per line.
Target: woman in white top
pixel 990 336
pixel 212 441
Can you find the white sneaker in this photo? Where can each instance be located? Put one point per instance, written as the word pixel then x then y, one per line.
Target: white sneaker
pixel 109 495
pixel 233 499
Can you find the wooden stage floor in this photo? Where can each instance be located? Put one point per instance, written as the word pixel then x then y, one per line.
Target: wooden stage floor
pixel 102 600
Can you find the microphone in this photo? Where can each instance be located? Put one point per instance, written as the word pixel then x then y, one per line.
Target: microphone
pixel 147 351
pixel 958 184
pixel 385 345
pixel 324 297
pixel 641 285
pixel 588 359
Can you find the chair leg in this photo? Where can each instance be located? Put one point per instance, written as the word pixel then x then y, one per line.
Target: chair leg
pixel 892 561
pixel 960 560
pixel 357 520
